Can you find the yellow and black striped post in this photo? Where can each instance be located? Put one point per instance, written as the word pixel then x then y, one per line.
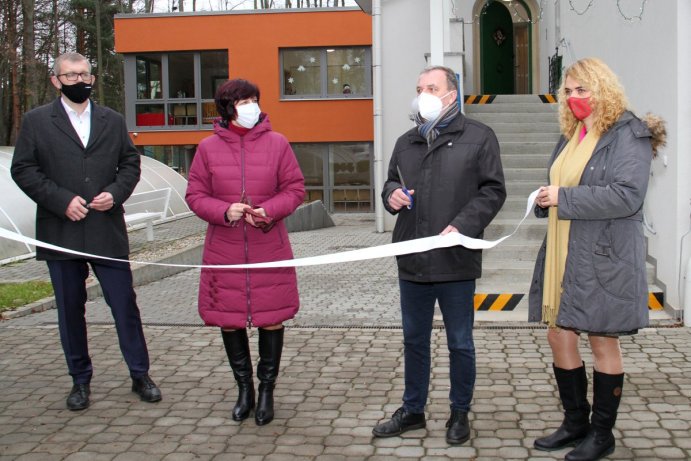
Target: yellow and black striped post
pixel 479 98
pixel 497 302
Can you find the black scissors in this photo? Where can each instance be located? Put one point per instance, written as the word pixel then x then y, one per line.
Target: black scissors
pixel 405 189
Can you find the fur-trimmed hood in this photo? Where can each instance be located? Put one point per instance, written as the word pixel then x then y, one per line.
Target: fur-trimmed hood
pixel 656 125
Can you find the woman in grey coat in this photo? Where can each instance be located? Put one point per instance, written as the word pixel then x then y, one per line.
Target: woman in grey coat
pixel 590 273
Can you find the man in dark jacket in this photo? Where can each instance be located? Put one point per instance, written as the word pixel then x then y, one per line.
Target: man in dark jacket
pixel 76 161
pixel 445 176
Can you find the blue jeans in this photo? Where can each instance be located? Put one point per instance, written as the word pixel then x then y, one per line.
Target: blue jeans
pixel 417 310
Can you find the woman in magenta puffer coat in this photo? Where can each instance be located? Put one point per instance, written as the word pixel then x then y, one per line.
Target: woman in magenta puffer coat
pixel 243 181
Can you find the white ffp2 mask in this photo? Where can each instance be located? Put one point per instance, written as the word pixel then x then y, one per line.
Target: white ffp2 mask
pixel 247 114
pixel 429 105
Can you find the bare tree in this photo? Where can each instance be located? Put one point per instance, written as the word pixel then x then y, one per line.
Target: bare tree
pixel 28 77
pixel 12 45
pixel 99 46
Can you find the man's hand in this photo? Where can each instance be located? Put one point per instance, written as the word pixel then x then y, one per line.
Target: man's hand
pixel 398 199
pixel 449 229
pixel 76 210
pixel 102 202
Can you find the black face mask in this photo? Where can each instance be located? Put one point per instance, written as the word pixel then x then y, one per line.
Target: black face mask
pixel 77 93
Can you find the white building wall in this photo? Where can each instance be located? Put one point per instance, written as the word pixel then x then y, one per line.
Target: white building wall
pixel 459 40
pixel 405 40
pixel 682 153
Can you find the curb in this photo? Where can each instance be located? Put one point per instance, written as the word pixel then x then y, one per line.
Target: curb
pixel 141 275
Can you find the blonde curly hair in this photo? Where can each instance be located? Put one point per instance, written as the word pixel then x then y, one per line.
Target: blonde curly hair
pixel 607 95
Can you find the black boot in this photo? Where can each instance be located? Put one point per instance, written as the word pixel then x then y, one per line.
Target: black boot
pixel 458 431
pixel 270 348
pixel 238 350
pixel 573 387
pixel 606 397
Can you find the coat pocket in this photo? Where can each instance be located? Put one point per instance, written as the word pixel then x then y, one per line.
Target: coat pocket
pixel 615 275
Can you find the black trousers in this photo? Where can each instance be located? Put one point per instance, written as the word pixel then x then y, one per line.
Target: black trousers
pixel 69 283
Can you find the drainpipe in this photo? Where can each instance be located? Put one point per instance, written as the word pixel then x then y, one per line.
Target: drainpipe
pixel 687 295
pixel 379 171
pixel 436 32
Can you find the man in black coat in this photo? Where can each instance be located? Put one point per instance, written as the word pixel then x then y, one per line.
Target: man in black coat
pixel 445 175
pixel 76 161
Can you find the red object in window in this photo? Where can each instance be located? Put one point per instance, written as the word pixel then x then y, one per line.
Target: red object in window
pixel 149 119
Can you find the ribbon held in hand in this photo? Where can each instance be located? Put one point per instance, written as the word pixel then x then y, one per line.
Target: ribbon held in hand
pixel 265 223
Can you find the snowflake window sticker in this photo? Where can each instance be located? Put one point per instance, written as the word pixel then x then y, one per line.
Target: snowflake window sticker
pixel 346 67
pixel 291 80
pixel 301 68
pixel 357 60
pixel 313 59
pixel 334 81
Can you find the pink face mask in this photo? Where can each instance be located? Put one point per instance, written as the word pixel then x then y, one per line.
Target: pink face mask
pixel 580 107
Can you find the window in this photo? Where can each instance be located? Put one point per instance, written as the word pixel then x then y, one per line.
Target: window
pixel 314 73
pixel 179 158
pixel 174 89
pixel 338 174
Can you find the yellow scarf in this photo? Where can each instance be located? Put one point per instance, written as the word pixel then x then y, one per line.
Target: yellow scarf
pixel 566 171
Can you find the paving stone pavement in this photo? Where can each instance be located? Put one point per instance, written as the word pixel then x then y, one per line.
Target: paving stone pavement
pixel 341 373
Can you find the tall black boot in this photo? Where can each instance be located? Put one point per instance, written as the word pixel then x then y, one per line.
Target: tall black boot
pixel 573 389
pixel 606 397
pixel 270 348
pixel 238 350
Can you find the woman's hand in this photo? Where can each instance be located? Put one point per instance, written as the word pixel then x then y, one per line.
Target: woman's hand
pixel 250 219
pixel 547 196
pixel 236 210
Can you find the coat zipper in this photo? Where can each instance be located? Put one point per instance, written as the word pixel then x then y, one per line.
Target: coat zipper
pixel 244 233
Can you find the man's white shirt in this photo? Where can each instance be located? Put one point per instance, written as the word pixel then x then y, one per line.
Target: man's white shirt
pixel 80 122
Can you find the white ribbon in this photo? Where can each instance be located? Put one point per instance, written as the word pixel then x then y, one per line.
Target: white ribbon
pixel 382 251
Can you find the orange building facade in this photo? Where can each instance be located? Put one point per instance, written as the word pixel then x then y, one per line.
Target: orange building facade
pixel 313 68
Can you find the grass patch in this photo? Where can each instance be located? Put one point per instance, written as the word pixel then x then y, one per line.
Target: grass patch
pixel 13 295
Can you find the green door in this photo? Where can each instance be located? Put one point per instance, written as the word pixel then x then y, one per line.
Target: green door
pixel 496 50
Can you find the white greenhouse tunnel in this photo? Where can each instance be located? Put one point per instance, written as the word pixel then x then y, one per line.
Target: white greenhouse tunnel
pixel 18 212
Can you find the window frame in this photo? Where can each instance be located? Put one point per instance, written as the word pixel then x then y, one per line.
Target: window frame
pixel 167 100
pixel 328 188
pixel 324 76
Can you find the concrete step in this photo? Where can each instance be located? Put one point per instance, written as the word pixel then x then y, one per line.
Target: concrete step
pixel 519 148
pixel 525 161
pixel 519 203
pixel 528 137
pixel 525 174
pixel 491 118
pixel 523 188
pixel 506 252
pixel 519 98
pixel 521 271
pixel 525 127
pixel 532 230
pixel 514 213
pixel 521 107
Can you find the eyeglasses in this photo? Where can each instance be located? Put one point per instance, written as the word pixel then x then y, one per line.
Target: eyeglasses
pixel 73 76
